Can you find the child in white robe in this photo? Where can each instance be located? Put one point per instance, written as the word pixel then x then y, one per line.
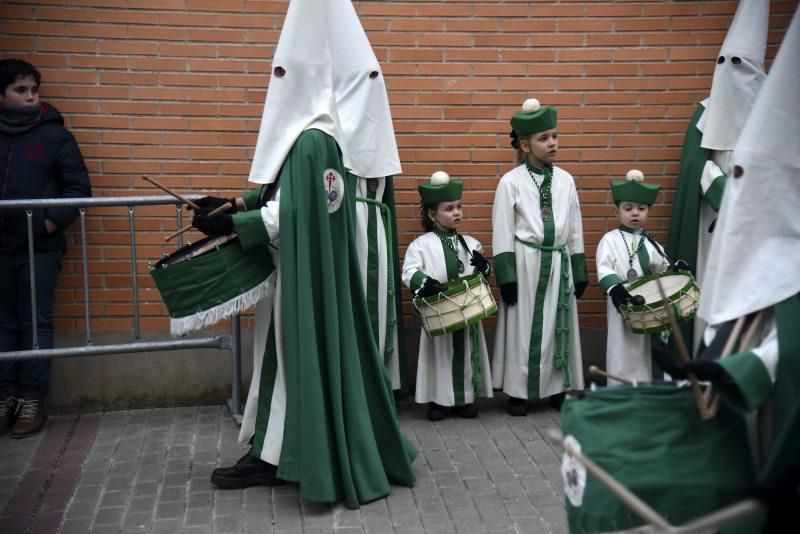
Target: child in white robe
pixel 453 368
pixel 624 255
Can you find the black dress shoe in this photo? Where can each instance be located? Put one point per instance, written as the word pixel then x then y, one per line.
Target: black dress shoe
pixel 248 471
pixel 516 406
pixel 557 400
pixel 436 412
pixel 467 411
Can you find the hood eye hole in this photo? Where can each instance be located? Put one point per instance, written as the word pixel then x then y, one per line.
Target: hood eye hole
pixel 736 60
pixel 738 171
pixel 373 74
pixel 279 72
pixel 720 60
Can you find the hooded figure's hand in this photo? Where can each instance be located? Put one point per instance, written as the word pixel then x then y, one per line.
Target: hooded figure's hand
pixel 214 225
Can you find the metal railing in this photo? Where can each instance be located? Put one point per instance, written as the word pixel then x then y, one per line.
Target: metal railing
pixel 227 341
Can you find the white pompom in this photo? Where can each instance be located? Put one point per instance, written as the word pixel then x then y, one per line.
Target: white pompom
pixel 634 175
pixel 439 178
pixel 531 105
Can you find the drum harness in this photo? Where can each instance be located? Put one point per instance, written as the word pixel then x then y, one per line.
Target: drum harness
pixel 561 356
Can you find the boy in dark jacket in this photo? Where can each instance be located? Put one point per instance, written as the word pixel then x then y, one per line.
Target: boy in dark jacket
pixel 40 159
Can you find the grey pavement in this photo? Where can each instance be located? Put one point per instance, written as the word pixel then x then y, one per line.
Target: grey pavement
pixel 147 471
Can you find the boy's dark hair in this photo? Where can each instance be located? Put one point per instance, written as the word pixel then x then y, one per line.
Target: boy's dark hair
pixel 12 69
pixel 427 223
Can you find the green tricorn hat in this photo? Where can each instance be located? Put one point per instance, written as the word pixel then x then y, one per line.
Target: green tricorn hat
pixel 440 189
pixel 633 189
pixel 533 118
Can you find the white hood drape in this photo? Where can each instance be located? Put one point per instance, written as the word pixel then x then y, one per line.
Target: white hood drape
pixel 738 76
pixel 326 76
pixel 755 256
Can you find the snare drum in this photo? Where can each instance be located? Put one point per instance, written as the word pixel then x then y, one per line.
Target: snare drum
pixel 652 317
pixel 467 300
pixel 207 281
pixel 652 440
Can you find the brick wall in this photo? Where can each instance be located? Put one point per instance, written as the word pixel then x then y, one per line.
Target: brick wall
pixel 174 89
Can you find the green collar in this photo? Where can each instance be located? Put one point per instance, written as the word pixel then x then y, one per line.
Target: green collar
pixel 444 233
pixel 537 170
pixel 631 230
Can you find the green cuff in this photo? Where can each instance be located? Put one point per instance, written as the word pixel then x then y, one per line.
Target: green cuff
pixel 250 229
pixel 251 199
pixel 609 281
pixel 751 383
pixel 416 280
pixel 714 192
pixel 579 268
pixel 505 268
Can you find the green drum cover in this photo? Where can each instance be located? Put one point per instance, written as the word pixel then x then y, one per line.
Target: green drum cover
pixel 652 440
pixel 211 278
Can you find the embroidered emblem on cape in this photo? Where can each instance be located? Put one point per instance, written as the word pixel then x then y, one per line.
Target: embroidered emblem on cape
pixel 372 184
pixel 574 473
pixel 334 189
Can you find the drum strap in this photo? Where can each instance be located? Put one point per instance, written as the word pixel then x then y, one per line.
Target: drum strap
pixel 391 317
pixel 561 356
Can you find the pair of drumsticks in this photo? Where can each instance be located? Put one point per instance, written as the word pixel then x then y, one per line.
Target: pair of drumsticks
pixel 222 209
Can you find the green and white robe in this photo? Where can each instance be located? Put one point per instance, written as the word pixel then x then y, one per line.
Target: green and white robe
pixel 446 370
pixel 528 336
pixel 320 405
pixel 627 353
pixel 374 212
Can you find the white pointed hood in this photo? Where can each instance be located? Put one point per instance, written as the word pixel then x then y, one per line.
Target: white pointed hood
pixel 325 76
pixel 755 255
pixel 738 76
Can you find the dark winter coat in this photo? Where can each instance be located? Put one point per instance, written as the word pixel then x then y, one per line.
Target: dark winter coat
pixel 42 162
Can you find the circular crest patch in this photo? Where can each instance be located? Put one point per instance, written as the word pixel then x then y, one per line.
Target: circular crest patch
pixel 573 472
pixel 333 183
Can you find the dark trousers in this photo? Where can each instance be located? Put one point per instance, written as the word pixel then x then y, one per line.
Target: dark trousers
pixel 16 327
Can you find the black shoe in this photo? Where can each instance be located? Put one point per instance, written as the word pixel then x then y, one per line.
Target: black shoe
pixel 436 412
pixel 248 471
pixel 516 406
pixel 467 411
pixel 557 400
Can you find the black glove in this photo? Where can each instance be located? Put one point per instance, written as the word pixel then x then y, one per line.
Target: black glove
pixel 481 264
pixel 680 265
pixel 509 293
pixel 580 287
pixel 214 225
pixel 619 295
pixel 209 204
pixel 431 287
pixel 709 370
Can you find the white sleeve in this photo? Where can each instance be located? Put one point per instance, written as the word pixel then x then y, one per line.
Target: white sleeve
pixel 575 225
pixel 412 263
pixel 503 217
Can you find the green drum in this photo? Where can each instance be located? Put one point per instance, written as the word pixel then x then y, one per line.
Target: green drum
pixel 467 300
pixel 652 440
pixel 214 278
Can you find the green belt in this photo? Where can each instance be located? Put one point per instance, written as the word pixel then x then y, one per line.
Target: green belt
pixel 391 318
pixel 561 357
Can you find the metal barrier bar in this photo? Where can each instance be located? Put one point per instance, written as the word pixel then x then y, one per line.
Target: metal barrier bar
pixel 228 341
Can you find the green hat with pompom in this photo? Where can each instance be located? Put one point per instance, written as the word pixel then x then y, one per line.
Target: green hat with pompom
pixel 440 189
pixel 633 189
pixel 533 118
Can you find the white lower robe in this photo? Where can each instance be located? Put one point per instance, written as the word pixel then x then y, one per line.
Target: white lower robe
pixel 363 210
pixel 517 214
pixel 627 353
pixel 435 366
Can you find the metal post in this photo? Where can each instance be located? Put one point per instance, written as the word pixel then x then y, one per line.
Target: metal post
pixel 180 225
pixel 235 403
pixel 32 272
pixel 134 277
pixel 85 259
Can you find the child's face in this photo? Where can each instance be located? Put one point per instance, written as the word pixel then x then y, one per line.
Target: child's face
pixel 633 214
pixel 23 92
pixel 541 146
pixel 447 215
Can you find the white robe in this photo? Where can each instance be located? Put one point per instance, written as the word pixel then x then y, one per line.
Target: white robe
pixel 435 365
pixel 516 213
pixel 627 353
pixel 362 234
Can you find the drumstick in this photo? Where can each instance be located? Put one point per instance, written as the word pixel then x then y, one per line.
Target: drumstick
pixel 173 193
pixel 636 505
pixel 225 207
pixel 702 403
pixel 599 372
